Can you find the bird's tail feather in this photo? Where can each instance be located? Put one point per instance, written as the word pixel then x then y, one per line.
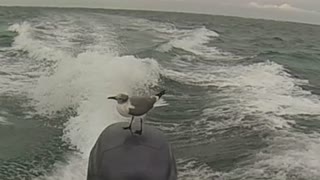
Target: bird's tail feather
pixel 161 93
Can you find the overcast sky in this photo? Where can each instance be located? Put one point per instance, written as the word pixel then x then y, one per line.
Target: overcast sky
pixel 292 10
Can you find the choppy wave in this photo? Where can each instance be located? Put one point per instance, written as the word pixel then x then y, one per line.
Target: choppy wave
pixel 84 81
pixel 290 156
pixel 258 88
pixel 86 85
pixel 195 41
pixel 4 122
pixel 264 91
pixel 74 60
pixel 191 169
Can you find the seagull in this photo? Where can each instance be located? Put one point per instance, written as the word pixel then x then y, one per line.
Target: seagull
pixel 135 106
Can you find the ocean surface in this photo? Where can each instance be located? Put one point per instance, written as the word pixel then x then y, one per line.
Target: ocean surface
pixel 242 102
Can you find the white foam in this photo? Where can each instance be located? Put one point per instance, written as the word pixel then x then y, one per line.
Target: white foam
pixel 37 49
pixel 16 72
pixel 53 38
pixel 73 169
pixel 267 87
pixel 290 156
pixel 267 92
pixel 195 42
pixel 85 82
pixel 48 40
pixel 82 80
pixel 191 169
pixel 4 122
pixel 262 89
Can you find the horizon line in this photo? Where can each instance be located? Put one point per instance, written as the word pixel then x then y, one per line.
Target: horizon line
pixel 157 10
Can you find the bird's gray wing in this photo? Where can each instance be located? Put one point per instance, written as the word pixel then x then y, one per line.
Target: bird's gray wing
pixel 141 105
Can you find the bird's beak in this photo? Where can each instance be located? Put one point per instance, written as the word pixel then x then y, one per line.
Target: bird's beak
pixel 112 97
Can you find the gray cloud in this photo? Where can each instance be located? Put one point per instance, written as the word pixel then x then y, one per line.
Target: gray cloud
pixel 290 10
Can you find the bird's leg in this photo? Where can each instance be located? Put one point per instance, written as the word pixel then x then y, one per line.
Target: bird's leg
pixel 129 127
pixel 140 131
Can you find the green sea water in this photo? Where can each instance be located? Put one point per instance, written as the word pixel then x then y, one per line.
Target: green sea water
pixel 242 103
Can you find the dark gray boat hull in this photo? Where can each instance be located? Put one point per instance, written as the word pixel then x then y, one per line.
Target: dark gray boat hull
pixel 120 155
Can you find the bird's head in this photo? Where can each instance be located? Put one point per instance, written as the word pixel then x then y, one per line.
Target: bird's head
pixel 120 98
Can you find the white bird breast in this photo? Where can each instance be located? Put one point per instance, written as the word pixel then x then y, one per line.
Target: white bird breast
pixel 123 109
